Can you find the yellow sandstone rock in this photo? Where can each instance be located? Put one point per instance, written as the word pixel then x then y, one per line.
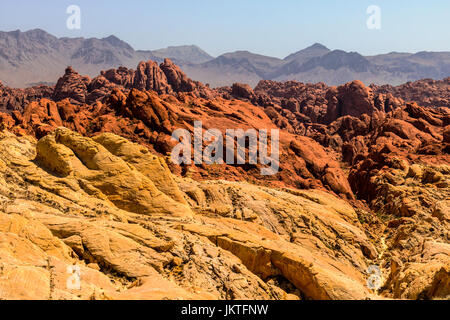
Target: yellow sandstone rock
pixel 109 211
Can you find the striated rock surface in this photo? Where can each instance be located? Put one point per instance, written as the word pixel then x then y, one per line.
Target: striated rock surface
pixel 71 86
pixel 108 177
pixel 86 180
pixel 59 209
pixel 189 240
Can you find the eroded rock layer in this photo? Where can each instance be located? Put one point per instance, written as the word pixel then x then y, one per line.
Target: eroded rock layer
pixel 86 180
pixel 140 232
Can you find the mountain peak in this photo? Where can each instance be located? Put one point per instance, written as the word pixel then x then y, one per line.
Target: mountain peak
pixel 112 38
pixel 182 54
pixel 37 34
pixel 315 50
pixel 116 42
pixel 36 31
pixel 317 46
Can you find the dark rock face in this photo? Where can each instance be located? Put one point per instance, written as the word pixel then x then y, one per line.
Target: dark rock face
pixel 305 102
pixel 351 99
pixel 122 76
pixel 71 86
pixel 149 76
pixel 176 78
pixel 241 90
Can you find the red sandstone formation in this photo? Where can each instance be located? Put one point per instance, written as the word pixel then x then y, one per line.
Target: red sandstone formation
pixel 15 99
pixel 386 157
pixel 147 104
pixel 149 118
pixel 426 92
pixel 166 78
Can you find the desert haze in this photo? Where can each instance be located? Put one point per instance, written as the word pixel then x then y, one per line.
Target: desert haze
pixel 35 56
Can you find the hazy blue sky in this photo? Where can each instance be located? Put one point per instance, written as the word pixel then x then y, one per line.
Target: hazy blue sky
pixel 276 27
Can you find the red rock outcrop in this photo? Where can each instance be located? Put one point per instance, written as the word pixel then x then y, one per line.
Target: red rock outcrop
pixel 304 106
pixel 426 92
pixel 149 76
pixel 387 158
pixel 242 90
pixel 412 133
pixel 306 101
pixel 15 99
pixel 351 99
pixel 149 118
pixel 71 86
pixel 166 78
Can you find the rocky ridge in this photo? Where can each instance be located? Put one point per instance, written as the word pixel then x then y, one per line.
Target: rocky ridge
pixel 364 180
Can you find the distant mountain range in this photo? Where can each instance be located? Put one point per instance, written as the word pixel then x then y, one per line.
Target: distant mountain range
pixel 35 56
